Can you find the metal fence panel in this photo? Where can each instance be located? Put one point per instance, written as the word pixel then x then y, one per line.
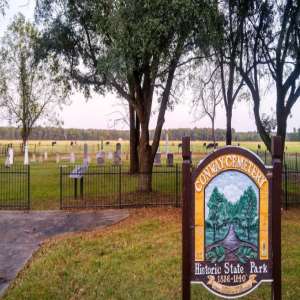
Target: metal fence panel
pixel 115 187
pixel 15 187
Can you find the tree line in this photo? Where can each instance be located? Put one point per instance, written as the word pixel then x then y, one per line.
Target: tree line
pixel 176 134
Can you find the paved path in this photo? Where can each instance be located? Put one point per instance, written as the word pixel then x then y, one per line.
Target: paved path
pixel 21 233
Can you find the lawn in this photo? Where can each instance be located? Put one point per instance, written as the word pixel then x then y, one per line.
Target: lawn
pixel 139 258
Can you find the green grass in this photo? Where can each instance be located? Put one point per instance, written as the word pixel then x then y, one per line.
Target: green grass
pixel 64 147
pixel 138 259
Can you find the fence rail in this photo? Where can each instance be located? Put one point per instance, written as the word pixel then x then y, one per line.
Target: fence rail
pixel 115 187
pixel 15 187
pixel 290 176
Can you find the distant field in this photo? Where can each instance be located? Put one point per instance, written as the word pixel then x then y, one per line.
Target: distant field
pixel 95 146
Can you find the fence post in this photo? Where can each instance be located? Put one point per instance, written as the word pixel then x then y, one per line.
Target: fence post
pixel 186 199
pixel 120 187
pixel 276 215
pixel 296 161
pixel 60 184
pixel 177 200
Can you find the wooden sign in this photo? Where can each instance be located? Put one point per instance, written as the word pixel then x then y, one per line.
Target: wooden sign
pixel 227 241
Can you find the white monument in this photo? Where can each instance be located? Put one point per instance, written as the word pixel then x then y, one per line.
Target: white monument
pixel 26 155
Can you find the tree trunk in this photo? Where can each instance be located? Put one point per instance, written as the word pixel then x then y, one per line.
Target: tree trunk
pixel 228 125
pixel 134 141
pixel 281 131
pixel 260 128
pixel 146 160
pixel 213 132
pixel 24 136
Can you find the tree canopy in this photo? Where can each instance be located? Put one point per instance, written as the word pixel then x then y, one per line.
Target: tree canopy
pixel 30 90
pixel 133 48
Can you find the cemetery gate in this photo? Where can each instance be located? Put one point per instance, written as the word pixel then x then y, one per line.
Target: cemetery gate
pixel 15 187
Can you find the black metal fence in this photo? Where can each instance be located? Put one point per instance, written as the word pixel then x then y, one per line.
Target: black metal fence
pixel 290 176
pixel 114 187
pixel 15 187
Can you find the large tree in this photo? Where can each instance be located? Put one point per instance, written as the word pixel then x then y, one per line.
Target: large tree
pixel 130 47
pixel 30 90
pixel 270 51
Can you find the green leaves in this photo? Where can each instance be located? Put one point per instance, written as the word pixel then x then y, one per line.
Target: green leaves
pixel 217 254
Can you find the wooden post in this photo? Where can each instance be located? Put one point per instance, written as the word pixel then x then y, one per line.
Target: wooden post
pixel 186 204
pixel 276 215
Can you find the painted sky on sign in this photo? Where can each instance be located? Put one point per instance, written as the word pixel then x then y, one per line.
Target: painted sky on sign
pixel 230 183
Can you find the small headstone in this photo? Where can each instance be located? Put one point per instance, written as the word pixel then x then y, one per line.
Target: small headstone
pixel 157 159
pixel 72 158
pixel 100 158
pixel 118 147
pixel 118 155
pixel 11 156
pixel 170 159
pixel 85 155
pixel 110 156
pixel 117 159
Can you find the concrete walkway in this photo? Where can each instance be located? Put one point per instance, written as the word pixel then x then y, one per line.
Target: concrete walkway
pixel 21 233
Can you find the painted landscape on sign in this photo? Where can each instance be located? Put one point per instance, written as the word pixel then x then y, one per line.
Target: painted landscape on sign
pixel 231 218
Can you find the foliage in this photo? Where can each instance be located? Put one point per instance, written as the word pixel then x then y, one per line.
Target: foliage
pixel 133 48
pixel 216 255
pixel 246 253
pixel 30 90
pixel 217 215
pixel 243 214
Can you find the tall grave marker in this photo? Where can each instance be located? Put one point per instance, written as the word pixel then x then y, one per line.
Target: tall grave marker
pixel 231 222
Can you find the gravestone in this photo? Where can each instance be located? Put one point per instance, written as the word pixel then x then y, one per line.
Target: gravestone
pixel 85 154
pixel 117 159
pixel 9 161
pixel 118 147
pixel 157 159
pixel 72 158
pixel 110 155
pixel 11 156
pixel 100 158
pixel 170 160
pixel 26 155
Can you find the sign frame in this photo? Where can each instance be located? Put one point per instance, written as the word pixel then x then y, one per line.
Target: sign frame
pixel 272 175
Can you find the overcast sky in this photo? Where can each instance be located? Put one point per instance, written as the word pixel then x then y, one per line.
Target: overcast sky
pixel 100 112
